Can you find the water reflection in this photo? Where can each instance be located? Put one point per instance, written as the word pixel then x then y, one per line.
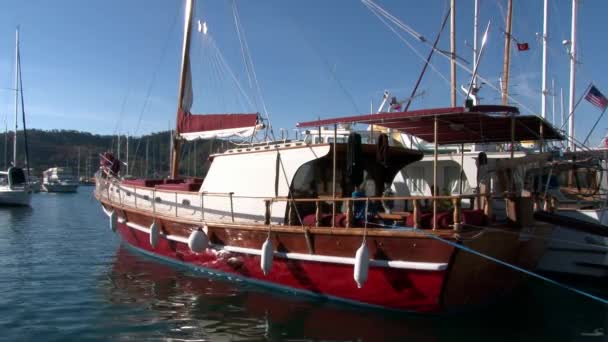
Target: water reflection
pixel 191 307
pixel 207 308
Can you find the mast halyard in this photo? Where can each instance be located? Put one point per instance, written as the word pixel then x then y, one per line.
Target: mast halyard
pixel 16 96
pixel 184 96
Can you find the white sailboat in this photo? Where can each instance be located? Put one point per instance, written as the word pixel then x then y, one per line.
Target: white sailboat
pixel 14 188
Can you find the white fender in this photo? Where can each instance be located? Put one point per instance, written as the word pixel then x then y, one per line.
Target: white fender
pixel 198 241
pixel 113 220
pixel 361 265
pixel 266 256
pixel 154 232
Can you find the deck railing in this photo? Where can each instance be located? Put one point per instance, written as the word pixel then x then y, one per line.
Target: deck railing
pixel 145 198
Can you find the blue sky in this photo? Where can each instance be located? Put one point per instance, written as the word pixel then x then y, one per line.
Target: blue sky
pixel 99 66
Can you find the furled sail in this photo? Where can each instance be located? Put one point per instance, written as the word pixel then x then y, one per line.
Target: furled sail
pixel 208 126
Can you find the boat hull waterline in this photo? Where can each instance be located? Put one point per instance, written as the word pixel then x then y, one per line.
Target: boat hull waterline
pixel 60 187
pixel 16 198
pixel 442 281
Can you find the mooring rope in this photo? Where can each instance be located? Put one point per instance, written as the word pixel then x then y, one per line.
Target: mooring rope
pixel 509 265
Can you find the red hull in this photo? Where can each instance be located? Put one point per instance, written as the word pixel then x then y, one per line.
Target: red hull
pixel 401 289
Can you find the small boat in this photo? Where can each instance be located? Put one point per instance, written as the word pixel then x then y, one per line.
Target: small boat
pixel 59 179
pixel 14 187
pixel 308 216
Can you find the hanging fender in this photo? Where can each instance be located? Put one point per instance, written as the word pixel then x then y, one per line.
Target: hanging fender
pixel 198 241
pixel 361 265
pixel 266 256
pixel 154 233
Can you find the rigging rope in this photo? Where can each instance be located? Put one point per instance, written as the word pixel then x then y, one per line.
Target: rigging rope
pixel 418 53
pixel 248 60
pixel 27 154
pixel 153 80
pixel 459 63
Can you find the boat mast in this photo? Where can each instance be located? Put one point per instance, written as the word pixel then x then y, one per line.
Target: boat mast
pixel 475 51
pixel 572 76
pixel 146 174
pixel 453 52
pixel 78 172
pixel 505 82
pixel 184 74
pixel 16 95
pixel 545 91
pixel 127 156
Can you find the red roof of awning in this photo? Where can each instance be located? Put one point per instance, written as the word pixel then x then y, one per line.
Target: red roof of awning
pixel 189 123
pixel 457 125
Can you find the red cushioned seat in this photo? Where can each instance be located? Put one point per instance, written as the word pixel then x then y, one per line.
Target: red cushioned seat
pixel 475 217
pixel 142 182
pixel 179 187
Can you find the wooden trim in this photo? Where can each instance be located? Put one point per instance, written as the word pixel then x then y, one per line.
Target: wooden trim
pixel 288 229
pixel 304 145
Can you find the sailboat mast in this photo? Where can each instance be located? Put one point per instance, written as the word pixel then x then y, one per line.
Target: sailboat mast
pixel 545 91
pixel 453 52
pixel 146 174
pixel 505 83
pixel 127 157
pixel 184 75
pixel 475 51
pixel 572 75
pixel 16 95
pixel 78 172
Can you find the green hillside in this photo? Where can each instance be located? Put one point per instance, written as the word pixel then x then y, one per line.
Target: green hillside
pixel 61 148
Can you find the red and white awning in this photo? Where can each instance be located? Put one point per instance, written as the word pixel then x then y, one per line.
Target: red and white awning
pixel 457 125
pixel 208 126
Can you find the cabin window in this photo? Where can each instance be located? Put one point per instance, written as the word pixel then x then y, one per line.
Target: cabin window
pixel 315 179
pixel 146 197
pixel 186 202
pixel 158 200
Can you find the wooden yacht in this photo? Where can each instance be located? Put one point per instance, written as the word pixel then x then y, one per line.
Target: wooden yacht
pixel 310 217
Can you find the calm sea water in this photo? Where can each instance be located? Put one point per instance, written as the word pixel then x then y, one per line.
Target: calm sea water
pixel 65 276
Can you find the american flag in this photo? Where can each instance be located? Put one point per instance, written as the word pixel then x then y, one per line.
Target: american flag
pixel 596 98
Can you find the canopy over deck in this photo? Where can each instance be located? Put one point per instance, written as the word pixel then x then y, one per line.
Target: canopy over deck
pixel 457 125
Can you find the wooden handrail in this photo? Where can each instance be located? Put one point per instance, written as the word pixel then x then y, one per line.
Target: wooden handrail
pixel 343 199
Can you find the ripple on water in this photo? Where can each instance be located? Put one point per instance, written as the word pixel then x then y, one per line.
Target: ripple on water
pixel 65 277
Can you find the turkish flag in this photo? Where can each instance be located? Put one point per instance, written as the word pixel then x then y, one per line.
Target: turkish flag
pixel 523 47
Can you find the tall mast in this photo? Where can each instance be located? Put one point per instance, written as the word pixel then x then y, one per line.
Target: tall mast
pixel 505 82
pixel 127 156
pixel 16 95
pixel 475 51
pixel 146 175
pixel 78 172
pixel 553 102
pixel 183 79
pixel 572 76
pixel 561 105
pixel 545 91
pixel 453 52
